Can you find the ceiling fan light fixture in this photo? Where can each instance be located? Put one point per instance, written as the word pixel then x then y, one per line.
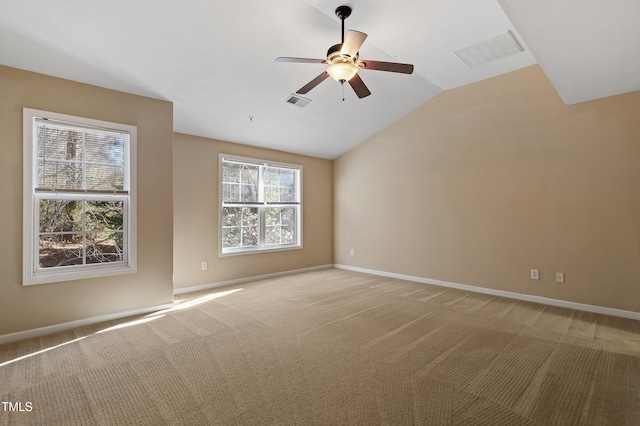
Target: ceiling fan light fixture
pixel 342 71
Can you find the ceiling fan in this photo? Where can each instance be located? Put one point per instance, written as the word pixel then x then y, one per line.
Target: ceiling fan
pixel 344 62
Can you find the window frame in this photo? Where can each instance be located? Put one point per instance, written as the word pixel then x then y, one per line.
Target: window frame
pixel 32 273
pixel 262 247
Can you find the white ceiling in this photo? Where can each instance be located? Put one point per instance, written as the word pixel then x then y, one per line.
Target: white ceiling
pixel 215 60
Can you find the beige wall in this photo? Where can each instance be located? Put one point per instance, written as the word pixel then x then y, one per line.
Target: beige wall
pixel 24 308
pixel 195 187
pixel 492 179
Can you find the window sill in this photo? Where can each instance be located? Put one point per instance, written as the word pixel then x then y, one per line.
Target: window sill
pixel 239 252
pixel 58 276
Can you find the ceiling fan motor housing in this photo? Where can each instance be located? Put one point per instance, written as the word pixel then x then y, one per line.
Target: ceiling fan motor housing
pixel 334 55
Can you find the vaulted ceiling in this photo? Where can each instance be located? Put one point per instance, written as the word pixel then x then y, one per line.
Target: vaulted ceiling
pixel 215 60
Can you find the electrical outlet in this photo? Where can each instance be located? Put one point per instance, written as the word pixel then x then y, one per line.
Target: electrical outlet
pixel 559 277
pixel 204 265
pixel 535 274
pixel 352 252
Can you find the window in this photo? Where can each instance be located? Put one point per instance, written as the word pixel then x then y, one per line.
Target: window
pixel 79 200
pixel 260 205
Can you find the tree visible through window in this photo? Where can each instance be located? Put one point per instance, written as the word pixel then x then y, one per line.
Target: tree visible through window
pixel 80 196
pixel 260 205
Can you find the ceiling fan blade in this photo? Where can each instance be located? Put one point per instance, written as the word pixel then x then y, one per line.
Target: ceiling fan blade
pixel 313 83
pixel 352 43
pixel 359 87
pixel 386 66
pixel 301 60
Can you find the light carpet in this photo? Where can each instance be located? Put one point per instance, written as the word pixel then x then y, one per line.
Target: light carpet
pixel 332 347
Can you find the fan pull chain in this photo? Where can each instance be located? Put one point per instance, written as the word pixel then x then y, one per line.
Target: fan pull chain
pixel 342 84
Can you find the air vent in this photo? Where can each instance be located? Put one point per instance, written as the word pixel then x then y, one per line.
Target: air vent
pixel 298 100
pixel 498 47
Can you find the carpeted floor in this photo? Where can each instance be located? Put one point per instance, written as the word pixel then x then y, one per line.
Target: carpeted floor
pixel 332 347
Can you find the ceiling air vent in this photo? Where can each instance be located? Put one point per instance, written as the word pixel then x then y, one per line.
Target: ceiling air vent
pixel 298 100
pixel 490 50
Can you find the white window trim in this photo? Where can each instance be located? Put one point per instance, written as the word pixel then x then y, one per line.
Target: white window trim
pixel 31 275
pixel 261 249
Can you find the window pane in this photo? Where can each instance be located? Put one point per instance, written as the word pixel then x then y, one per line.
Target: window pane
pixel 288 235
pixel 60 250
pixel 272 235
pixel 104 177
pixel 249 183
pixel 248 193
pixel 280 235
pixel 104 215
pixel 59 158
pixel 289 216
pixel 239 182
pixel 104 247
pixel 60 215
pixel 249 216
pixel 280 225
pixel 59 175
pixel 250 236
pixel 230 192
pixel 249 226
pixel 230 237
pixel 104 161
pixel 280 215
pixel 231 216
pixel 240 227
pixel 66 226
pixel 230 172
pixel 70 159
pixel 249 174
pixel 279 185
pixel 231 222
pixel 272 216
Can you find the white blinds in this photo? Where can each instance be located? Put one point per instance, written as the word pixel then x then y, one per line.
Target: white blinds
pixel 80 158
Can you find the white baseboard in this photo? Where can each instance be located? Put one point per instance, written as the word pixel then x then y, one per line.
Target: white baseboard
pixel 519 296
pixel 247 279
pixel 42 331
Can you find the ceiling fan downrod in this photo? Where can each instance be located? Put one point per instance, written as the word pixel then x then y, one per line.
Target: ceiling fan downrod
pixel 343 12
